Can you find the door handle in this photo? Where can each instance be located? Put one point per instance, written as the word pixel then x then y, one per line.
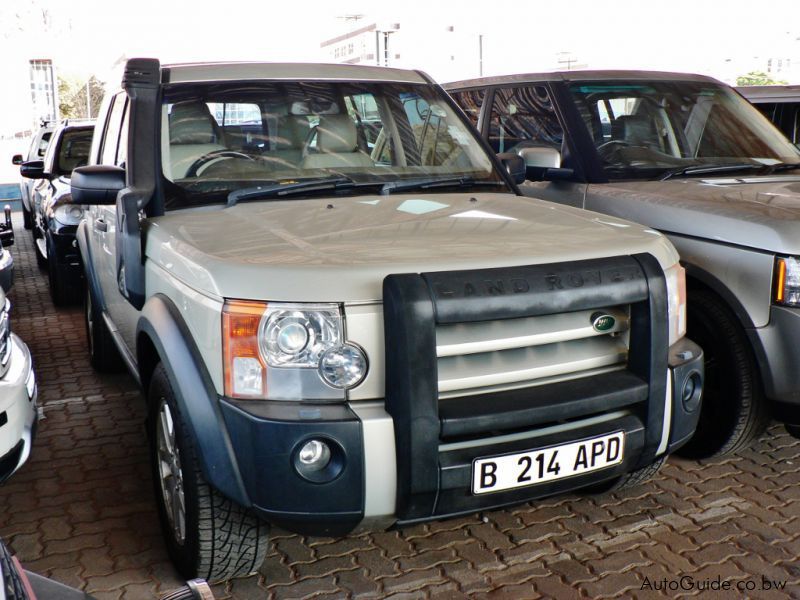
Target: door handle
pixel 100 225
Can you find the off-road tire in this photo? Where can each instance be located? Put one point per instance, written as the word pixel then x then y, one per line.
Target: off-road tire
pixel 62 290
pixel 103 352
pixel 222 539
pixel 734 411
pixel 629 480
pixel 27 218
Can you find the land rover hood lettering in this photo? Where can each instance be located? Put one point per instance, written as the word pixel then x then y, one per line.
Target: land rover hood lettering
pixel 548 282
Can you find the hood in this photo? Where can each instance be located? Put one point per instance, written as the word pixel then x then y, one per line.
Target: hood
pixel 756 212
pixel 317 250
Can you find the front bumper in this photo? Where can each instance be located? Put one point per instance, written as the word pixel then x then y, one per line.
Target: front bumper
pixel 18 413
pixel 778 356
pixel 267 435
pixel 68 257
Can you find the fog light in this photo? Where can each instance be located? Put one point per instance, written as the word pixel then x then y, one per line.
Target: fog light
pixel 344 366
pixel 314 456
pixel 692 390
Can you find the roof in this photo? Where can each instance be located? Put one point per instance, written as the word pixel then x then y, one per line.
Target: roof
pixel 588 75
pixel 238 71
pixel 770 93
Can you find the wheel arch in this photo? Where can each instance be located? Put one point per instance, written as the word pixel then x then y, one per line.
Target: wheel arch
pixel 163 337
pixel 700 279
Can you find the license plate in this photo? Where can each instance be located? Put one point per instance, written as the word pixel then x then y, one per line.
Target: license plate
pixel 509 471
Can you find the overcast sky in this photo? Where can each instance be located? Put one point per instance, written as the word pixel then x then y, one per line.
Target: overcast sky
pixel 708 36
pixel 85 37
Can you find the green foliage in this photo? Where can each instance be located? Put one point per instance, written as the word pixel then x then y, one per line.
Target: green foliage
pixel 758 78
pixel 72 97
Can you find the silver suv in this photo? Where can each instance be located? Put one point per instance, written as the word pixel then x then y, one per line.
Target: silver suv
pixel 342 315
pixel 690 157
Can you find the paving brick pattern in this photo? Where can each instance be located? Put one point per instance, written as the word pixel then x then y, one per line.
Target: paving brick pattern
pixel 82 511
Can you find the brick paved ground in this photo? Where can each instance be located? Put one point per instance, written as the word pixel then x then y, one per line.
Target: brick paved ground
pixel 82 510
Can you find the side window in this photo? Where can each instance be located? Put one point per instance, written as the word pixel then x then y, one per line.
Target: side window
pixel 108 152
pixel 122 150
pixel 364 110
pixel 240 126
pixel 435 139
pixel 43 144
pixel 235 113
pixel 470 102
pixel 523 116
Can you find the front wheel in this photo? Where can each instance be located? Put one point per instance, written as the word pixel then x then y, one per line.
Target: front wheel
pixel 207 535
pixel 734 411
pixel 629 480
pixel 63 291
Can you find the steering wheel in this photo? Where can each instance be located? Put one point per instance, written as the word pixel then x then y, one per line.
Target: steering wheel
pixel 197 165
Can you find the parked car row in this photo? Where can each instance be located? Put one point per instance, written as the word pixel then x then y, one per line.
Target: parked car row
pixel 343 314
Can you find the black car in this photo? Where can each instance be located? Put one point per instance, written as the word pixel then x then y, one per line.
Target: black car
pixel 55 218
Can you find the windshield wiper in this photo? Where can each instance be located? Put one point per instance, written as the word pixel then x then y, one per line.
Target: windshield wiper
pixel 782 167
pixel 424 184
pixel 704 169
pixel 288 187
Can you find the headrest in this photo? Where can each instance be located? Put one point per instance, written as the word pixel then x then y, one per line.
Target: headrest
pixel 635 129
pixel 336 133
pixel 191 123
pixel 292 133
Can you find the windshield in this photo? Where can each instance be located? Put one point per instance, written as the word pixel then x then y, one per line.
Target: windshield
pixel 647 129
pixel 73 151
pixel 222 137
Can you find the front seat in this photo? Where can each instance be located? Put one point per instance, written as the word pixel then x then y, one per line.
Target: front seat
pixel 337 144
pixel 193 133
pixel 636 130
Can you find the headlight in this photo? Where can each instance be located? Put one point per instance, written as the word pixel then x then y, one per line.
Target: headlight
pixel 676 296
pixel 787 281
pixel 297 336
pixel 68 214
pixel 282 351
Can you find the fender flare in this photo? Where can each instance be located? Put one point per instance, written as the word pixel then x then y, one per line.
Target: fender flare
pixel 161 322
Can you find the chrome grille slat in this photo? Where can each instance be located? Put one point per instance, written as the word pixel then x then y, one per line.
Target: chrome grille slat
pixel 526 364
pixel 489 336
pixel 521 352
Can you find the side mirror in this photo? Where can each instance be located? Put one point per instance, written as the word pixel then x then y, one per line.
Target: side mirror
pixel 33 169
pixel 17 159
pixel 541 156
pixel 514 164
pixel 96 184
pixel 543 163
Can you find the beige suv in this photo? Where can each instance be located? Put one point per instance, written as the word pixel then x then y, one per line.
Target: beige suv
pixel 343 316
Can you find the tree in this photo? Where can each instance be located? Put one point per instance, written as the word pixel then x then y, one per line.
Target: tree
pixel 758 78
pixel 72 97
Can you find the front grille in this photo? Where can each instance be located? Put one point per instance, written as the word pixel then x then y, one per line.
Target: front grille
pixel 475 356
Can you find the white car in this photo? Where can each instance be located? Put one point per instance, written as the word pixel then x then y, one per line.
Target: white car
pixel 17 397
